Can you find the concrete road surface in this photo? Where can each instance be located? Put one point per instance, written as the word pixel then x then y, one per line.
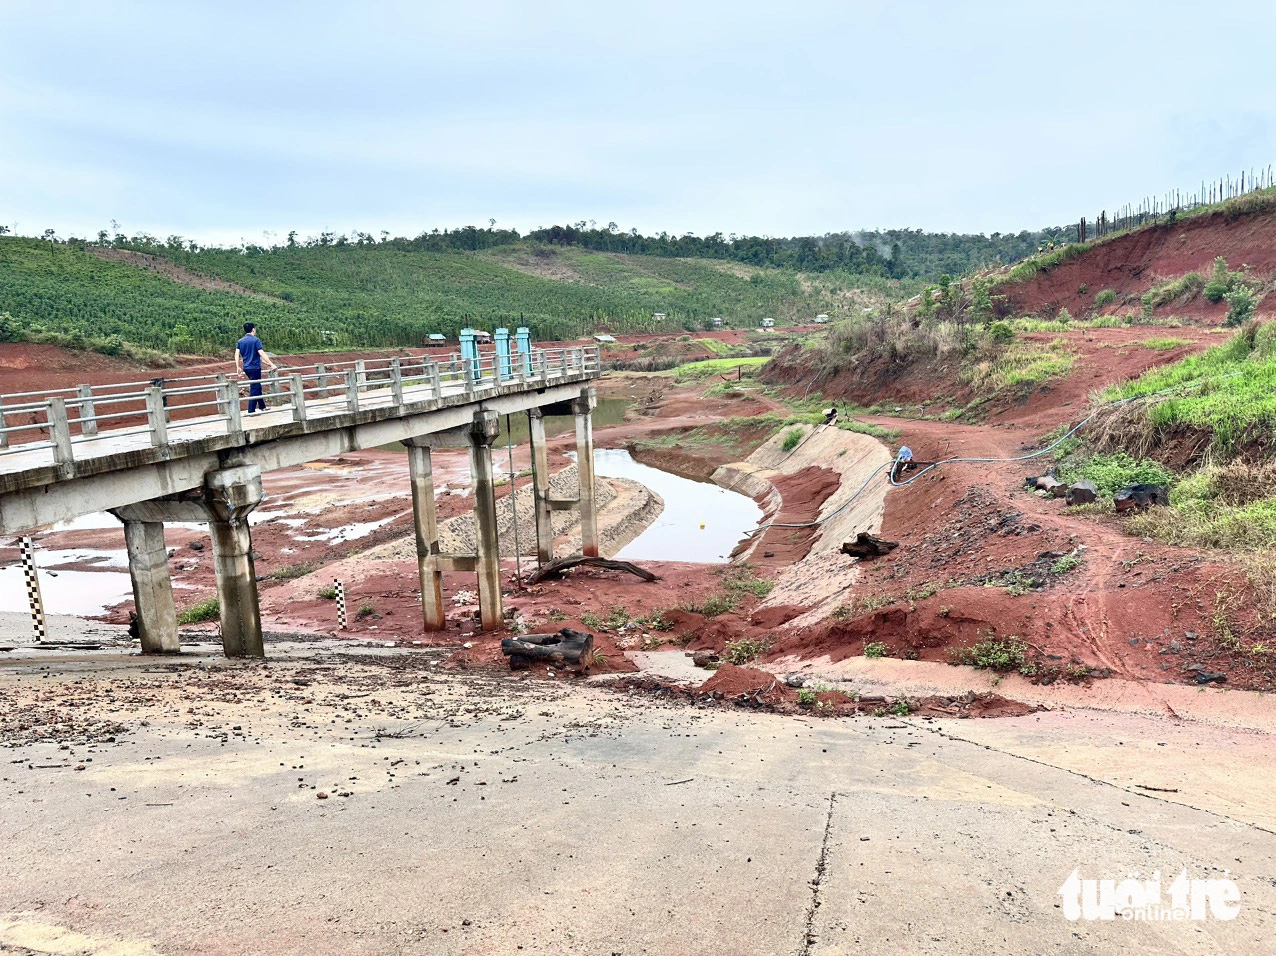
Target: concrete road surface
pixel 351 801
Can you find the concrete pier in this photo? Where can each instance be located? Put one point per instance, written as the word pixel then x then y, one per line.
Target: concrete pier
pixel 583 408
pixel 425 519
pixel 152 586
pixel 230 496
pixel 540 486
pixel 488 547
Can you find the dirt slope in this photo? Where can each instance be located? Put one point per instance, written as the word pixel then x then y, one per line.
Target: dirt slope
pixel 1131 264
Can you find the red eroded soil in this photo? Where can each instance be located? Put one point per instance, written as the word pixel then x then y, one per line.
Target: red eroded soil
pixel 1133 263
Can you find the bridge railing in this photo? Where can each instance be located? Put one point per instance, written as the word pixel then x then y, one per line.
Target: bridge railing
pixel 187 407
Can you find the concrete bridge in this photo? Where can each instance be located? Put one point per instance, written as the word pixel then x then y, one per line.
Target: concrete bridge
pixel 184 450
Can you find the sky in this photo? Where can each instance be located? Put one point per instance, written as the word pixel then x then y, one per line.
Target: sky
pixel 231 121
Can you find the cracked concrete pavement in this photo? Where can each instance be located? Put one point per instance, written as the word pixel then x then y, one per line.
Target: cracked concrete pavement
pixel 173 806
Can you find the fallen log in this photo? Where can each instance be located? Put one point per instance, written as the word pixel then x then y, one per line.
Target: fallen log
pixel 564 649
pixel 555 569
pixel 867 546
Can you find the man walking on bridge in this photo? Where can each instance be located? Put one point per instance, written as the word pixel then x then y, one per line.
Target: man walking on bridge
pixel 249 355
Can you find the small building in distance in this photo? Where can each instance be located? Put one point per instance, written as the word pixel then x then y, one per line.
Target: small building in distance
pixel 482 338
pixel 604 338
pixel 716 322
pixel 821 319
pixel 435 340
pixel 658 316
pixel 768 323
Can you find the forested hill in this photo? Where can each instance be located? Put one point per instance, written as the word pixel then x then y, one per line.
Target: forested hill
pixel 341 294
pixel 898 253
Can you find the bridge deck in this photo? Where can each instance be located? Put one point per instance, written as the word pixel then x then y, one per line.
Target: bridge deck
pixel 173 428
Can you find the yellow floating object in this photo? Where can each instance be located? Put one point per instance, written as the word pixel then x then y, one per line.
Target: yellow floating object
pixel 701 525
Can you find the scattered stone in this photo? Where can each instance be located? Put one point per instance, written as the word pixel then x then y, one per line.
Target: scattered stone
pixel 1190 635
pixel 704 658
pixel 321 795
pixel 196 546
pixel 1140 497
pixel 795 680
pixel 1082 493
pixel 1208 677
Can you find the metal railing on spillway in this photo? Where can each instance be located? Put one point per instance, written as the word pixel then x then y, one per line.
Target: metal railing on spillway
pixel 173 410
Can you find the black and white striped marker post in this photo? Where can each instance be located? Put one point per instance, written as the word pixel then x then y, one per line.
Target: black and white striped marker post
pixel 38 627
pixel 341 605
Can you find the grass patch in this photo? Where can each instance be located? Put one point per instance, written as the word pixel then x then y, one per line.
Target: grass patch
pixel 292 571
pixel 718 366
pixel 740 577
pixel 715 605
pixel 1111 473
pixel 1229 390
pixel 1181 290
pixel 208 610
pixel 327 593
pixel 1019 365
pixel 1167 344
pixel 875 649
pixel 1106 297
pixel 792 439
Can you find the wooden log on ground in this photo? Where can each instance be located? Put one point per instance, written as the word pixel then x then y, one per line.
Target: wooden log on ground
pixel 555 569
pixel 567 648
pixel 867 546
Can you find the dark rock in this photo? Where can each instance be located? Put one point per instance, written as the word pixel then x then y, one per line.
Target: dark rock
pixel 1081 493
pixel 1208 677
pixel 867 546
pixel 1140 497
pixel 793 680
pixel 196 546
pixel 1190 635
pixel 704 658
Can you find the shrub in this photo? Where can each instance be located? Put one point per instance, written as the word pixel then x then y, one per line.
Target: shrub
pixel 327 592
pixel 1241 302
pixel 875 649
pixel 807 697
pixel 1220 281
pixel 792 439
pixel 997 654
pixel 1000 332
pixel 1106 297
pixel 1182 289
pixel 744 650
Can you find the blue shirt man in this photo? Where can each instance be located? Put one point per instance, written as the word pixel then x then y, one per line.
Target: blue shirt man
pixel 249 356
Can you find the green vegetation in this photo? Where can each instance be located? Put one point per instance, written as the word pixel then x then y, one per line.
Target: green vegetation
pixel 327 593
pixel 366 609
pixel 1241 303
pixel 1180 290
pixel 291 571
pixel 362 295
pixel 875 649
pixel 807 697
pixel 1111 473
pixel 998 654
pixel 1021 364
pixel 721 366
pixel 208 610
pixel 792 439
pixel 1221 281
pixel 1167 344
pixel 740 577
pixel 1069 562
pixel 1106 297
pixel 715 605
pixel 1220 506
pixel 744 650
pixel 1228 391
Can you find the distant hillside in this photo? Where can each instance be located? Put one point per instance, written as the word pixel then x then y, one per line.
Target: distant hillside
pixel 340 294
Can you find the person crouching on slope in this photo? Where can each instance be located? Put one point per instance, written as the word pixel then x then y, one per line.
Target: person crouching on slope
pixel 249 355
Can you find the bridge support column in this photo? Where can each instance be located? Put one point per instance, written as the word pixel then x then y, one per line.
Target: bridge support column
pixel 421 474
pixel 487 541
pixel 152 586
pixel 540 486
pixel 583 408
pixel 231 495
